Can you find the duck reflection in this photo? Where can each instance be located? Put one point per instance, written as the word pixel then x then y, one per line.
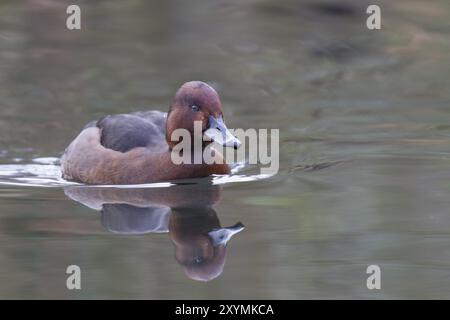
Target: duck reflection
pixel 185 212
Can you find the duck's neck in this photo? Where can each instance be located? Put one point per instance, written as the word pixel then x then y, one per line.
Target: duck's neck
pixel 196 165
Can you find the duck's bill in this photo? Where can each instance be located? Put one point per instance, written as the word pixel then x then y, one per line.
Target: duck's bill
pixel 219 133
pixel 223 235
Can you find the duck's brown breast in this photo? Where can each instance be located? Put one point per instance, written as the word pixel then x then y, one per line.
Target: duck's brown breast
pixel 86 160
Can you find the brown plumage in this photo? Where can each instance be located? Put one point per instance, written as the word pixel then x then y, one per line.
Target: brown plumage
pixel 135 148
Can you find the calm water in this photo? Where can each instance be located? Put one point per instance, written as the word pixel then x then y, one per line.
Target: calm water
pixel 365 149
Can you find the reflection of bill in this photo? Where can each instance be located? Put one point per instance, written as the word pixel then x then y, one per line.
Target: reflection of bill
pixel 186 212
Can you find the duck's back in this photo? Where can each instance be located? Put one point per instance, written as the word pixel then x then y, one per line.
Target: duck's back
pixel 123 132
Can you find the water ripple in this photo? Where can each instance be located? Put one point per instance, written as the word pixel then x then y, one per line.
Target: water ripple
pixel 46 172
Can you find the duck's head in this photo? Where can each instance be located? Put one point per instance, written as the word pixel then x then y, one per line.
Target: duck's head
pixel 197 101
pixel 200 242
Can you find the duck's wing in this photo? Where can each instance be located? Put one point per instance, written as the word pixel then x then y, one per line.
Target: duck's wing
pixel 158 118
pixel 124 132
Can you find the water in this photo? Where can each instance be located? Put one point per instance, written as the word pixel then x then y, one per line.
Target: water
pixel 365 149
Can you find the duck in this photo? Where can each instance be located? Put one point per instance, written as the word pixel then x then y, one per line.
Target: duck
pixel 136 148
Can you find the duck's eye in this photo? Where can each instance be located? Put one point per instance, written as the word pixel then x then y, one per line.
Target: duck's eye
pixel 195 108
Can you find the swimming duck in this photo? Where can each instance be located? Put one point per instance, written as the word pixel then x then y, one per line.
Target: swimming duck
pixel 136 148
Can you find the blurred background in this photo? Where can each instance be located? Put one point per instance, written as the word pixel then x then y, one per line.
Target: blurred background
pixel 365 143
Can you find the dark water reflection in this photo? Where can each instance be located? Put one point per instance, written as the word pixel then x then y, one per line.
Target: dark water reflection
pixel 364 155
pixel 185 212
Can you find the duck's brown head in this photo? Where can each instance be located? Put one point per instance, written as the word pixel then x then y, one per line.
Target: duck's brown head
pixel 197 101
pixel 200 242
